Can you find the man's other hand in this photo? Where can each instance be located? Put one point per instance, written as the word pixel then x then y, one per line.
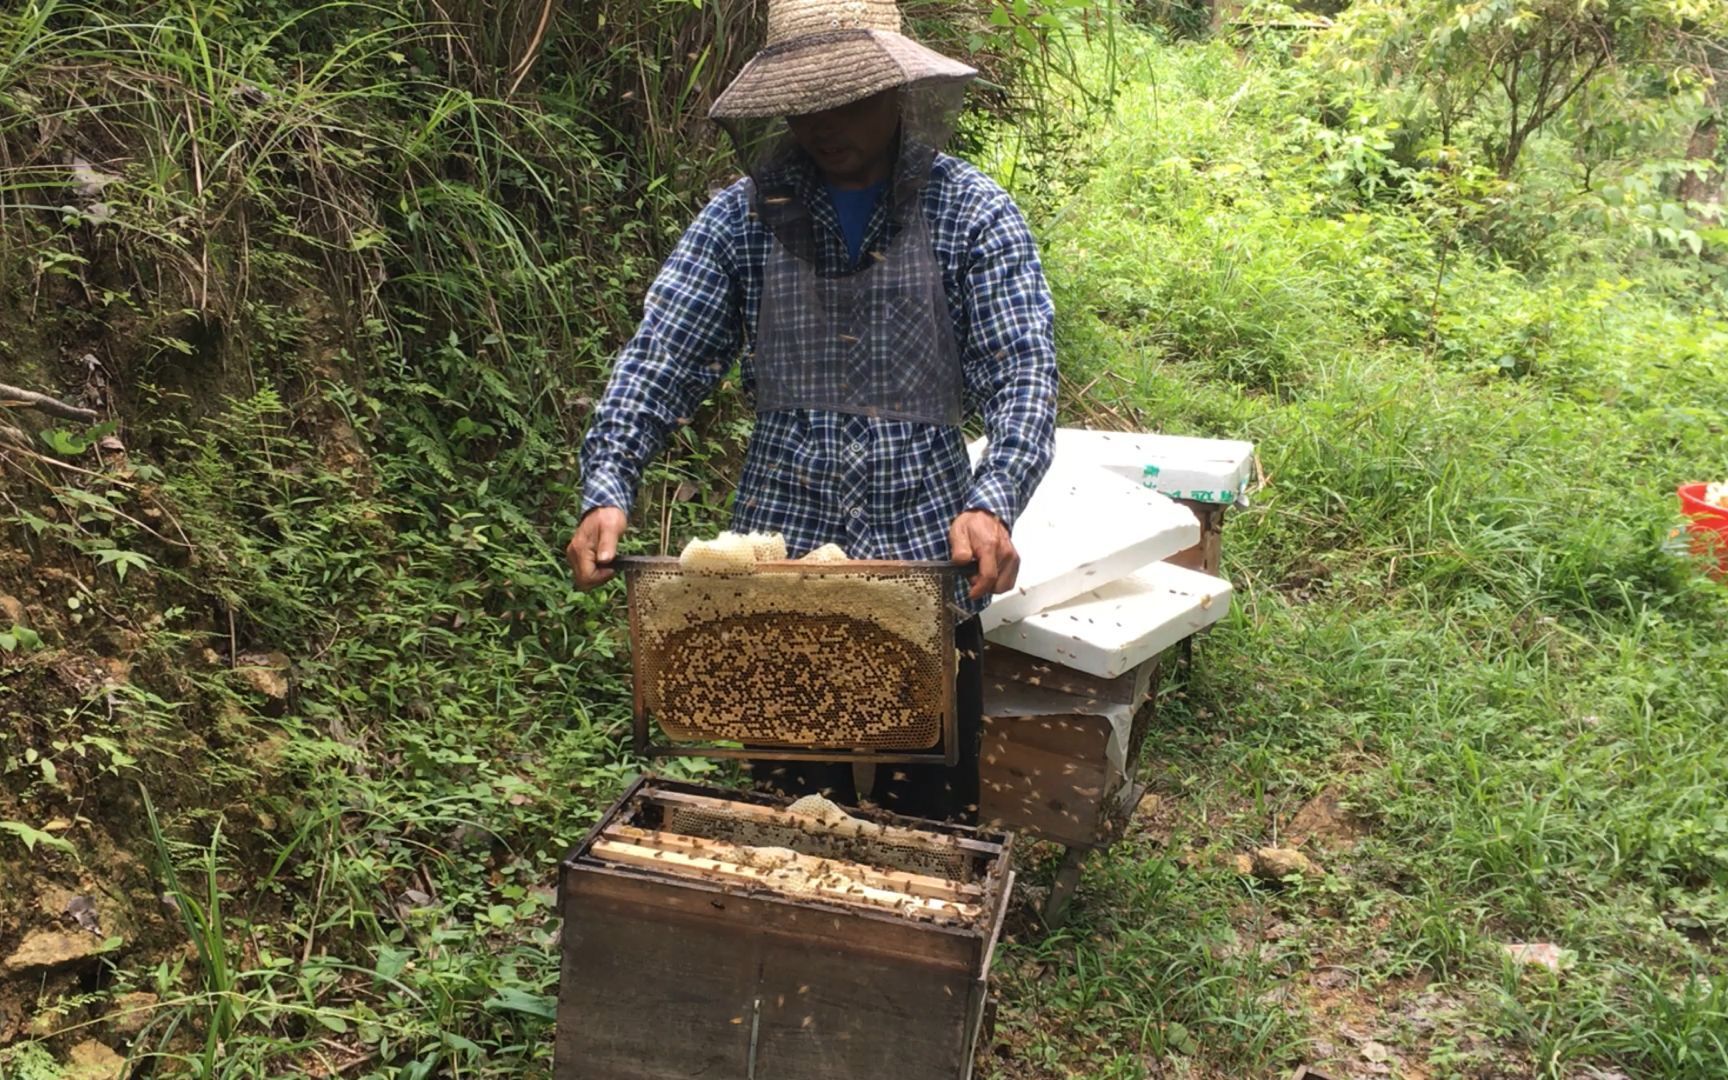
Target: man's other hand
pixel 977 534
pixel 595 543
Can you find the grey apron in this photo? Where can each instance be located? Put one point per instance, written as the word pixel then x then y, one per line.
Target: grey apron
pixel 877 341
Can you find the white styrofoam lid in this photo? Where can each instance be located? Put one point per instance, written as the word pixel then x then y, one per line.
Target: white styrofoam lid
pixel 1180 466
pixel 1085 526
pixel 1120 625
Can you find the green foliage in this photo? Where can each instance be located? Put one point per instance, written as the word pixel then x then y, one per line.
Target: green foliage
pixel 360 266
pixel 30 837
pixel 29 1061
pixel 1454 607
pixel 1182 20
pixel 1516 65
pixel 19 639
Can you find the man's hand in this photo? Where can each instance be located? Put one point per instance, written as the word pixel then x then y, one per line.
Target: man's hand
pixel 595 542
pixel 977 534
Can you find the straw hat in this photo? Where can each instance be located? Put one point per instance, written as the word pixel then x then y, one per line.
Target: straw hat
pixel 822 54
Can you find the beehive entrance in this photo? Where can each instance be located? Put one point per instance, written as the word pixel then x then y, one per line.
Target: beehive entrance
pixel 838 656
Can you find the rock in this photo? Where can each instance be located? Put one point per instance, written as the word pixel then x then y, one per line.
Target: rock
pixel 90 1060
pixel 1275 864
pixel 1375 1052
pixel 1323 820
pixel 128 1013
pixel 1540 953
pixel 1242 864
pixel 81 911
pixel 52 949
pixel 87 180
pixel 42 1025
pixel 265 673
pixel 119 671
pixel 12 612
pixel 52 900
pixel 1149 806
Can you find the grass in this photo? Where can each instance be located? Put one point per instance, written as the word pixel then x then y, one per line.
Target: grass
pixel 1456 611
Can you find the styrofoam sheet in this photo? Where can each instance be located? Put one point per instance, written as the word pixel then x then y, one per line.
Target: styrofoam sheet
pixel 1108 631
pixel 1180 466
pixel 1085 526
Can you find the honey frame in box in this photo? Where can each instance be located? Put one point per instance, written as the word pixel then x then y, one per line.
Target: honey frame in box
pixel 935 700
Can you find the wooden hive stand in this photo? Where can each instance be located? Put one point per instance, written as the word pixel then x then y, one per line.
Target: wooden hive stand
pixel 1055 762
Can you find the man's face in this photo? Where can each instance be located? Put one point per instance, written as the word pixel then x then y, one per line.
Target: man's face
pixel 852 144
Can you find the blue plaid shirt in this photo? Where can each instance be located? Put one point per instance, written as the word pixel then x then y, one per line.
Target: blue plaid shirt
pixel 880 488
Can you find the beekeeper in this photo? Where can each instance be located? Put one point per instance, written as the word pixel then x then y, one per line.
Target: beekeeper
pixel 876 292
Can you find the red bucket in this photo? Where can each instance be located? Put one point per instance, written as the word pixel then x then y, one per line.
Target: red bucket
pixel 1709 526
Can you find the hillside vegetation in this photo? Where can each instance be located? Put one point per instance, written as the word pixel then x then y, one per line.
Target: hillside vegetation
pixel 298 711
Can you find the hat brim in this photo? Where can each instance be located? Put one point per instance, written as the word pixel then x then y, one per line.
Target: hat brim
pixel 806 76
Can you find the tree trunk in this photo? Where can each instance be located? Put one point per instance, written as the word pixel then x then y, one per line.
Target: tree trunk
pixel 1703 186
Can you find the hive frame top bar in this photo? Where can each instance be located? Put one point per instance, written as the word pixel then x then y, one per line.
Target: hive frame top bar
pixel 845 566
pixel 946 751
pixel 994 846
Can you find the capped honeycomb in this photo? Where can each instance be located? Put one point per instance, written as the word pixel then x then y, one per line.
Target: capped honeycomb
pixel 813 655
pixel 824 836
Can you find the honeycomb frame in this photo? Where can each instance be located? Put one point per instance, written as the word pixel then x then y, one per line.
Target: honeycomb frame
pixel 794 660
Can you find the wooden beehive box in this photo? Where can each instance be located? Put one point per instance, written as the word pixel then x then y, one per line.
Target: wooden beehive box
pixel 691 947
pixel 1062 770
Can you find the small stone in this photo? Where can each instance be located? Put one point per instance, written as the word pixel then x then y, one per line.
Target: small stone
pixel 81 911
pixel 53 900
pixel 1242 864
pixel 1148 808
pixel 119 671
pixel 1375 1052
pixel 90 1060
pixel 51 949
pixel 1541 953
pixel 1323 820
pixel 266 673
pixel 1275 864
pixel 11 611
pixel 128 1013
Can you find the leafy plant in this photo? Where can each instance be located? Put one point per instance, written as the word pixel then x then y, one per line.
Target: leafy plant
pixel 19 639
pixel 31 837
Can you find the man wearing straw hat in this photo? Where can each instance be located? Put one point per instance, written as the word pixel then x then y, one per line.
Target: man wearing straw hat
pixel 876 292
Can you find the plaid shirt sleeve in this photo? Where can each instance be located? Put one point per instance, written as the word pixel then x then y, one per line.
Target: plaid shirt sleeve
pixel 1010 360
pixel 691 332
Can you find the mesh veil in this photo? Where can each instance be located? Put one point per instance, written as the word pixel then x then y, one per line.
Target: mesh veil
pixel 781 174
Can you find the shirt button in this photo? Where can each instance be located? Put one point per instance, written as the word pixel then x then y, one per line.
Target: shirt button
pixel 857 448
pixel 857 511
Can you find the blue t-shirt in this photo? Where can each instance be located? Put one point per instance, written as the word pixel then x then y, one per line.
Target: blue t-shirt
pixel 853 206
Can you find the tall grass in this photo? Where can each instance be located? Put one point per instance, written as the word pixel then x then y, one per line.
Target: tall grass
pixel 351 273
pixel 1456 607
